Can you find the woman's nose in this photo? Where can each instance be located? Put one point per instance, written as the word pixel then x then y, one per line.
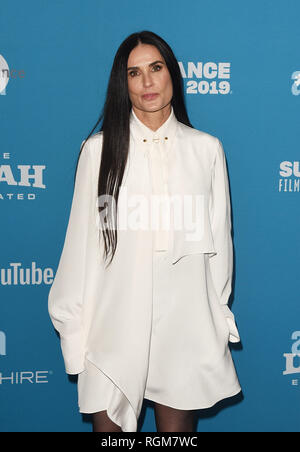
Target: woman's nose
pixel 147 80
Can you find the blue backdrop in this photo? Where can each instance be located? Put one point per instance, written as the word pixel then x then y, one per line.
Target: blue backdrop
pixel 241 69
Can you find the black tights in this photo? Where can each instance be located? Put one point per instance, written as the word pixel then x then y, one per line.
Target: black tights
pixel 167 420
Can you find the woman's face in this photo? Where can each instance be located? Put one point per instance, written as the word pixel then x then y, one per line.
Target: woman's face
pixel 149 82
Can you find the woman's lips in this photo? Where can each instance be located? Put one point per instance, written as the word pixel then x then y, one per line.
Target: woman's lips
pixel 150 96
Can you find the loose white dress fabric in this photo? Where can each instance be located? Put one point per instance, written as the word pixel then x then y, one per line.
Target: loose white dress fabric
pixel 155 323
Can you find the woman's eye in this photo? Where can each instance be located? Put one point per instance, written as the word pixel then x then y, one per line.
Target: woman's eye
pixel 155 68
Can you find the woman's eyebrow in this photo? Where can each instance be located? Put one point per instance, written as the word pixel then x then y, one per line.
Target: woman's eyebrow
pixel 151 64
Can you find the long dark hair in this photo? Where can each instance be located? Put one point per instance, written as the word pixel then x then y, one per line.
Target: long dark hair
pixel 115 125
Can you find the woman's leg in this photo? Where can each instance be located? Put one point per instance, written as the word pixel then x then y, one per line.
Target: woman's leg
pixel 172 420
pixel 102 423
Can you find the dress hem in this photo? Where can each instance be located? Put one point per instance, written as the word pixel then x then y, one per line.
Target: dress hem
pixel 236 391
pixel 153 399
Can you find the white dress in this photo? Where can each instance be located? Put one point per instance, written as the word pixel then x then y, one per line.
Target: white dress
pixel 156 324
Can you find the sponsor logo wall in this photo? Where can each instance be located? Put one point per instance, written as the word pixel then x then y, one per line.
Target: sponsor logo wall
pixel 241 76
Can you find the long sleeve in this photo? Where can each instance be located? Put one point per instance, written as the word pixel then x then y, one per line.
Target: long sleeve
pixel 65 298
pixel 221 264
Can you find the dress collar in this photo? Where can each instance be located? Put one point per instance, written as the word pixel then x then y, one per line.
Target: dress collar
pixel 145 135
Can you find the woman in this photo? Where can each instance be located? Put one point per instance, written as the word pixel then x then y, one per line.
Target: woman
pixel 152 321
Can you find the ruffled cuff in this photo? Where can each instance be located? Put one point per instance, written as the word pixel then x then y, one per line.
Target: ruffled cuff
pixel 234 334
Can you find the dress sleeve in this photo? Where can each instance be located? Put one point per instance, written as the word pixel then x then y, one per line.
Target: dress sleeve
pixel 221 264
pixel 65 297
